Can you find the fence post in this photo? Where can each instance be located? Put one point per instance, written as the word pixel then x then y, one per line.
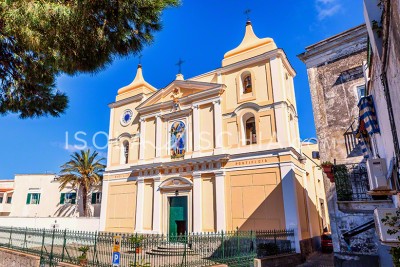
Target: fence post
pixel 222 244
pixel 64 244
pixel 26 230
pixel 95 246
pixel 9 241
pixel 135 246
pixel 52 245
pixel 237 239
pixel 41 251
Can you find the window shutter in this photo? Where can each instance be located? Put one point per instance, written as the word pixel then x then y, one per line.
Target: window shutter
pixel 28 199
pixel 93 198
pixel 73 198
pixel 62 198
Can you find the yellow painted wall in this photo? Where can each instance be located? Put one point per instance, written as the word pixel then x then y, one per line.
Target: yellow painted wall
pixel 148 206
pixel 206 127
pixel 303 209
pixel 254 200
pixel 121 207
pixel 150 149
pixel 262 86
pixel 208 204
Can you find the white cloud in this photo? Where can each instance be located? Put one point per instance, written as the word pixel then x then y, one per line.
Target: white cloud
pixel 327 8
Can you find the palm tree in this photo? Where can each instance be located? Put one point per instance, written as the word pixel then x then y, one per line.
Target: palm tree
pixel 83 172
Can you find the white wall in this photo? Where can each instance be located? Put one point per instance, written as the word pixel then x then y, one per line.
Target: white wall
pixel 49 205
pixel 78 224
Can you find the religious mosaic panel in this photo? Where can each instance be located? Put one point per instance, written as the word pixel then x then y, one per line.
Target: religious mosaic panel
pixel 178 140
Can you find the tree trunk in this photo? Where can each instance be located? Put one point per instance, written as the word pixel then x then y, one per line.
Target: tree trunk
pixel 84 201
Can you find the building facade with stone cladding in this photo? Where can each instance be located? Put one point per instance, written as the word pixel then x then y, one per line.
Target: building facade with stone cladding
pixel 336 79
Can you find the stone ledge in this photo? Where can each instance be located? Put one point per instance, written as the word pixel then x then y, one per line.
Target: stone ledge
pixel 280 260
pixel 9 257
pixel 363 206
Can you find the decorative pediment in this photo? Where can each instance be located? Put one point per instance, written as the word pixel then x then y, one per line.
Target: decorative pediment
pixel 176 183
pixel 179 92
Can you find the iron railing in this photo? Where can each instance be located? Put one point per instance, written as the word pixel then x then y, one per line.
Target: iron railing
pixel 352 182
pixel 235 248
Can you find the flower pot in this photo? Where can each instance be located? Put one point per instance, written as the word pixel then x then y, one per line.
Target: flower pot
pixel 331 176
pixel 83 262
pixel 327 169
pixel 138 250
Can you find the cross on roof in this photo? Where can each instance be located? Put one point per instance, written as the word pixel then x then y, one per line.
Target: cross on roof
pixel 140 58
pixel 179 63
pixel 247 13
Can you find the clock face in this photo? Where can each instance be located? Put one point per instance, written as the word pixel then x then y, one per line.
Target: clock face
pixel 126 117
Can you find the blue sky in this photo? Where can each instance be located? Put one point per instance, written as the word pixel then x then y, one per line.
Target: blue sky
pixel 199 32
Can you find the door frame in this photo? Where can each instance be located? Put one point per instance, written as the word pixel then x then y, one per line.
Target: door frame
pixel 165 208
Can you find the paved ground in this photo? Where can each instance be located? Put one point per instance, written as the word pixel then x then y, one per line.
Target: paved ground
pixel 318 259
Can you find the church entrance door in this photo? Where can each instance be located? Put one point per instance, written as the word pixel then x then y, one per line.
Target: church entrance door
pixel 178 216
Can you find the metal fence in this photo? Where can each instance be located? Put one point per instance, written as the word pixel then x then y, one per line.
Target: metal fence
pixel 352 183
pixel 236 248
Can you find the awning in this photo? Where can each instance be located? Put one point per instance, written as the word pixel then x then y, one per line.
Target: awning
pixel 367 117
pixel 2 190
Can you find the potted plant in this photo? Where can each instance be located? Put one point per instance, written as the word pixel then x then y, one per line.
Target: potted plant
pixel 83 257
pixel 327 167
pixel 136 243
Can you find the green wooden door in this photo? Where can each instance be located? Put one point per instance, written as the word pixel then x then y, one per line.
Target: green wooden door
pixel 177 216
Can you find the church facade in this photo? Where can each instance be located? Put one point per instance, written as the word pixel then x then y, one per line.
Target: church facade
pixel 219 151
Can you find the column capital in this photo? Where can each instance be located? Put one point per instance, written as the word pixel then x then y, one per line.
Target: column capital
pixel 217 102
pixel 196 175
pixel 219 173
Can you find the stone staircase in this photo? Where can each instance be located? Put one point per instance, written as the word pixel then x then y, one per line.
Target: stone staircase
pixel 172 249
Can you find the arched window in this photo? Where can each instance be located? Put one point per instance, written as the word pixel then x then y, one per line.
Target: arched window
pixel 178 140
pixel 126 151
pixel 247 83
pixel 250 130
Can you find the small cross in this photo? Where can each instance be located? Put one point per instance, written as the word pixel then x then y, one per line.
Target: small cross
pixel 140 58
pixel 247 13
pixel 179 63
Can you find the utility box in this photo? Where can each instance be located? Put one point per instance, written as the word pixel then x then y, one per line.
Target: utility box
pixel 377 172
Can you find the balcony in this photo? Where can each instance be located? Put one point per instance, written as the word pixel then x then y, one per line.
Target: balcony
pixel 352 185
pixel 5 207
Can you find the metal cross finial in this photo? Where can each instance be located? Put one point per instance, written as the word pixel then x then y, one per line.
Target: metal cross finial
pixel 140 58
pixel 179 63
pixel 247 13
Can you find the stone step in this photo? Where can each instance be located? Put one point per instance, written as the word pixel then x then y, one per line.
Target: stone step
pixel 169 253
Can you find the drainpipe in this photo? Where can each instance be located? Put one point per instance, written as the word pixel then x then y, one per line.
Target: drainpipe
pixel 386 86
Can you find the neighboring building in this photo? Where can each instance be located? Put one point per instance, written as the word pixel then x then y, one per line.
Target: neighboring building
pixel 315 189
pixel 219 151
pixel 383 79
pixel 335 68
pixel 38 195
pixel 6 195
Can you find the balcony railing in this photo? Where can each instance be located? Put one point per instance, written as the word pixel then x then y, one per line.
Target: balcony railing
pixel 353 147
pixel 352 182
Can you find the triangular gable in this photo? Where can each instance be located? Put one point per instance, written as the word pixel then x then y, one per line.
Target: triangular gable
pixel 177 89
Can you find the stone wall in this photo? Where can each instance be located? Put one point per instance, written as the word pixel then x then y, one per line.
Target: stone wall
pixel 12 258
pixel 280 261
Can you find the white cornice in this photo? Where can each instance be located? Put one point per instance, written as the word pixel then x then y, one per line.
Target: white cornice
pixel 126 101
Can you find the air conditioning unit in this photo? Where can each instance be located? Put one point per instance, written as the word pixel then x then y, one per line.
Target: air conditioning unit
pixel 382 229
pixel 377 172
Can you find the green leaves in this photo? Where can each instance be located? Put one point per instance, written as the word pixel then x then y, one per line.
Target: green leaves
pixel 41 39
